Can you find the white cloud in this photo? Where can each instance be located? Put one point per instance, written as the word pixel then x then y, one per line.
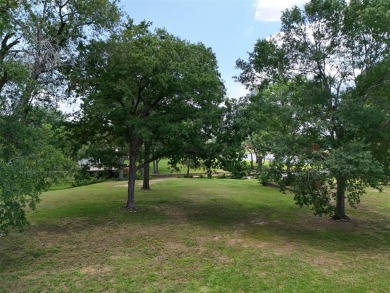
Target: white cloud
pixel 271 10
pixel 236 90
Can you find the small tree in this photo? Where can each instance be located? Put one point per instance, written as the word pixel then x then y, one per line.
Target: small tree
pixel 38 42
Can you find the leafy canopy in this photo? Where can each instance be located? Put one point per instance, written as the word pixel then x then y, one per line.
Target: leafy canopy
pixel 322 92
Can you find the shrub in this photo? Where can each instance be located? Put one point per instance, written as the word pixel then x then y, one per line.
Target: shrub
pixel 83 177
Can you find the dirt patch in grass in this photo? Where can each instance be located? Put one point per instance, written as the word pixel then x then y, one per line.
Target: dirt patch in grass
pixel 326 260
pixel 173 213
pixel 96 270
pixel 176 246
pixel 329 264
pixel 247 243
pixel 285 249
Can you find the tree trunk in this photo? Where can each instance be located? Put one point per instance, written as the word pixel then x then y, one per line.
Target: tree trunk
pixel 146 177
pixel 340 200
pixel 121 177
pixel 132 172
pixel 155 166
pixel 252 167
pixel 259 162
pixel 188 171
pixel 23 107
pixel 121 166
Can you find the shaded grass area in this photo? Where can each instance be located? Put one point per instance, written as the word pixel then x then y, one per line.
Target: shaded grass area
pixel 195 235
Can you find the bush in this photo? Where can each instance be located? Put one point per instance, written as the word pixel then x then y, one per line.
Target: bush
pixel 264 176
pixel 83 177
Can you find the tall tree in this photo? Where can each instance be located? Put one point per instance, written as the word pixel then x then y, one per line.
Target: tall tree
pixel 143 85
pixel 38 42
pixel 329 51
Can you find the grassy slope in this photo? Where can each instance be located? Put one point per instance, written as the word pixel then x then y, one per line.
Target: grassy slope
pixel 195 235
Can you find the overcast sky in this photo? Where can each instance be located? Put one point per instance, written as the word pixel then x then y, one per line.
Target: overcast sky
pixel 229 27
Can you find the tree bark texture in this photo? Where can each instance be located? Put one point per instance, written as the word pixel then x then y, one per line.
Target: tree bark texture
pixel 155 166
pixel 146 177
pixel 121 167
pixel 259 164
pixel 340 199
pixel 133 154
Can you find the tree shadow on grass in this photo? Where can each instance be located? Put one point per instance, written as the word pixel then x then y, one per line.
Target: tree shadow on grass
pixel 222 216
pixel 249 216
pixel 256 219
pixel 294 224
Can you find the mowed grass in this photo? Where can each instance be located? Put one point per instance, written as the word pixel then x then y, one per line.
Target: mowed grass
pixel 195 235
pixel 165 168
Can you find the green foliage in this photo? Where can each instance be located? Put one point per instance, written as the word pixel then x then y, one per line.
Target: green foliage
pixel 29 164
pixel 149 93
pixel 264 176
pixel 321 95
pixel 82 177
pixel 39 40
pixel 238 169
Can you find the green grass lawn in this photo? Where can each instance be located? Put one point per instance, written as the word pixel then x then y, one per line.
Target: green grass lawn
pixel 165 168
pixel 195 235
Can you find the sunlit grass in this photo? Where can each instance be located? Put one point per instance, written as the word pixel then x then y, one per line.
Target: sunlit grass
pixel 195 235
pixel 165 168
